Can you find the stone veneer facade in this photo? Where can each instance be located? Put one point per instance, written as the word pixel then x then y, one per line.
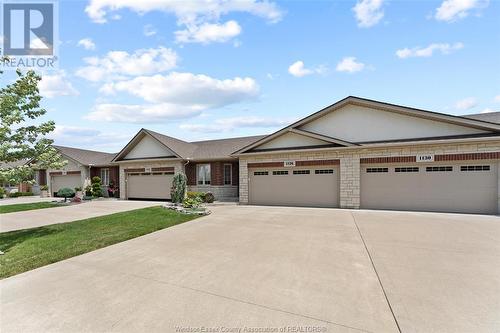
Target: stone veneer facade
pixel 350 163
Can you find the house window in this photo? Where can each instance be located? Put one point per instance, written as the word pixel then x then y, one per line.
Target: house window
pixel 406 169
pixel 280 173
pixel 439 168
pixel 377 170
pixel 203 174
pixel 323 171
pixel 261 173
pixel 301 172
pixel 228 174
pixel 475 168
pixel 105 177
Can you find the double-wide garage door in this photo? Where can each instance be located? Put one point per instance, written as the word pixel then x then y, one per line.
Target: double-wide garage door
pixel 65 181
pixel 454 187
pixel 151 186
pixel 313 186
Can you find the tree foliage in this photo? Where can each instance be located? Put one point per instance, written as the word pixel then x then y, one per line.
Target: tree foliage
pixel 23 135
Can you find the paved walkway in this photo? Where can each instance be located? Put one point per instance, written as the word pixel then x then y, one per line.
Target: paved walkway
pixel 274 267
pixel 39 217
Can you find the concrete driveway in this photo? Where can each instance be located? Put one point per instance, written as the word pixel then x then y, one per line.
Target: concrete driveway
pixel 274 267
pixel 22 200
pixel 38 217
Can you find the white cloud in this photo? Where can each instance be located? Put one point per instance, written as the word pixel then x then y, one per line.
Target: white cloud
pixel 152 113
pixel 466 103
pixel 298 69
pixel 187 11
pixel 229 124
pixel 201 18
pixel 56 85
pixel 90 138
pixel 488 110
pixel 188 89
pixel 428 51
pixel 120 64
pixel 453 10
pixel 497 99
pixel 86 43
pixel 350 65
pixel 208 33
pixel 149 30
pixel 368 12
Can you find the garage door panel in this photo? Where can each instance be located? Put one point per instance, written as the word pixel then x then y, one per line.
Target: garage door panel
pixel 65 181
pixel 448 191
pixel 315 190
pixel 149 186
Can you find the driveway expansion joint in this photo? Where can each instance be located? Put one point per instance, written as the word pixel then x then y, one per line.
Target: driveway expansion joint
pixel 376 272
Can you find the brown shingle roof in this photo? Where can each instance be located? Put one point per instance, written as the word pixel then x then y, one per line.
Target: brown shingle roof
pixel 223 148
pixel 492 117
pixel 85 156
pixel 207 149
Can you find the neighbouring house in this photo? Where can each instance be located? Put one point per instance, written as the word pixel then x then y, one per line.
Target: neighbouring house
pixel 82 165
pixel 355 153
pixel 149 161
pixel 24 186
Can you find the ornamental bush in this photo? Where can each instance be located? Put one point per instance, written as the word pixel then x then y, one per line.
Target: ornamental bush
pixel 96 187
pixel 178 190
pixel 66 193
pixel 209 197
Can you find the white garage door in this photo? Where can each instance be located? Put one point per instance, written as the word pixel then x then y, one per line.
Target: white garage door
pixel 149 185
pixel 61 181
pixel 314 187
pixel 463 188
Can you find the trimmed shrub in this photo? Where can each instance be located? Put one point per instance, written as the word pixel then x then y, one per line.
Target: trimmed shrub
pixel 209 197
pixel 2 192
pixel 66 193
pixel 178 190
pixel 96 187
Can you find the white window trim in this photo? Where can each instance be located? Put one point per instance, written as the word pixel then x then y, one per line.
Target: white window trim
pixel 203 181
pixel 230 174
pixel 105 183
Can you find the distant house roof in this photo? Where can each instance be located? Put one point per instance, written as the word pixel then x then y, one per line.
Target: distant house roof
pixel 492 117
pixel 86 157
pixel 197 150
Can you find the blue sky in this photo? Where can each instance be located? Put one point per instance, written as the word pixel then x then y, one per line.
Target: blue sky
pixel 201 70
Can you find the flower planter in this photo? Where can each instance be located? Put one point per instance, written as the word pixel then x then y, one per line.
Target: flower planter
pixel 44 194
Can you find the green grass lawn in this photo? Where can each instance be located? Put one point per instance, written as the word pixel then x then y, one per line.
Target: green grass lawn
pixel 28 249
pixel 27 206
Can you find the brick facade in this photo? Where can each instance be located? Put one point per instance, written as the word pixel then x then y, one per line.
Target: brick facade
pixel 351 159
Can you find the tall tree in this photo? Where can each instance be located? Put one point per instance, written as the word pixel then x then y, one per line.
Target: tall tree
pixel 23 136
